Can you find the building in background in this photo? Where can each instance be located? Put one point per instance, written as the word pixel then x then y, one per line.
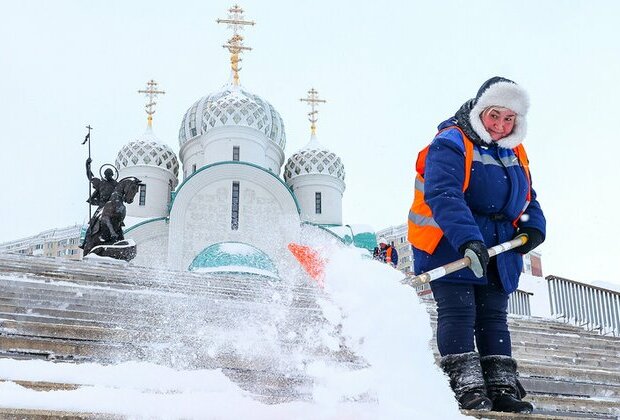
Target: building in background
pixel 397 236
pixel 62 242
pixel 532 264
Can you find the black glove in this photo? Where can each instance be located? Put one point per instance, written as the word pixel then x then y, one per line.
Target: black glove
pixel 534 238
pixel 479 256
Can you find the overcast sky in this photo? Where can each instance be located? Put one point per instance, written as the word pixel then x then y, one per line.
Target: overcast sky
pixel 390 71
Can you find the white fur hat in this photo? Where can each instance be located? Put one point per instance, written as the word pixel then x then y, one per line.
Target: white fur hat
pixel 505 93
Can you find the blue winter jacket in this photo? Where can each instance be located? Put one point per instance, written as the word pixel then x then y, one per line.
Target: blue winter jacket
pixel 496 195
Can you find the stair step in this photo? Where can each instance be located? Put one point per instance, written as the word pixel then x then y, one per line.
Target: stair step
pixel 568 387
pixel 44 386
pixel 576 405
pixel 555 357
pixel 65 349
pixel 64 331
pixel 21 414
pixel 537 414
pixel 54 316
pixel 541 370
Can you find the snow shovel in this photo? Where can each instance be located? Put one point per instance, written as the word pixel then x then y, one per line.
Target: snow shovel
pixel 439 272
pixel 314 263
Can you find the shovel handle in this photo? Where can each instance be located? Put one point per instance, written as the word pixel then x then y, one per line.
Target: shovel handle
pixel 462 263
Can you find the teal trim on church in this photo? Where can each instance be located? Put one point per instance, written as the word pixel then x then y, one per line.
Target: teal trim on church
pixel 365 240
pixel 144 223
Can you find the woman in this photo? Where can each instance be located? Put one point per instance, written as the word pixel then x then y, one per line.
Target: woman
pixel 473 191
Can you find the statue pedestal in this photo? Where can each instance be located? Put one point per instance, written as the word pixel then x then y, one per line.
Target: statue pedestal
pixel 122 250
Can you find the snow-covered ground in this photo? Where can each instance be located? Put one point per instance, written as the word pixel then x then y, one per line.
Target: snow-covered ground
pixel 380 319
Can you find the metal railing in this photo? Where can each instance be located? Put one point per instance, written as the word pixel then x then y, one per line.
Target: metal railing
pixel 519 303
pixel 584 305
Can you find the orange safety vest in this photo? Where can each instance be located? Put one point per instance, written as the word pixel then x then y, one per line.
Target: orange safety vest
pixel 388 255
pixel 423 232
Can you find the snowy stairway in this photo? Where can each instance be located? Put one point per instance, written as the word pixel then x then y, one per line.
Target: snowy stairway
pixel 94 311
pixel 565 369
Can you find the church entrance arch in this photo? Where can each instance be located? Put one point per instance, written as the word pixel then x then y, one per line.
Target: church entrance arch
pixel 234 257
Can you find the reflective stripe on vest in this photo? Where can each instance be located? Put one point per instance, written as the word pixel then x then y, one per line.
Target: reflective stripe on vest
pixel 519 151
pixel 423 231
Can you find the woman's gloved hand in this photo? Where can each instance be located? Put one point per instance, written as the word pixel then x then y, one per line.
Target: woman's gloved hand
pixel 534 238
pixel 479 256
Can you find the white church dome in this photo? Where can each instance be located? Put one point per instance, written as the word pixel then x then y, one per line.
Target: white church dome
pixel 314 158
pixel 232 105
pixel 147 150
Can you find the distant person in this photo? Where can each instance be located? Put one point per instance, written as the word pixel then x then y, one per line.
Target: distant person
pixel 473 191
pixel 376 253
pixel 387 253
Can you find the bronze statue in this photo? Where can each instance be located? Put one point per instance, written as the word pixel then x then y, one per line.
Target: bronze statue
pixel 104 235
pixel 103 187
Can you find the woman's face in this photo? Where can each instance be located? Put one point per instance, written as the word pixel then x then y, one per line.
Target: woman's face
pixel 498 121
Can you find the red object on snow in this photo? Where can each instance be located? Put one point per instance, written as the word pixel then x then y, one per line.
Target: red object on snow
pixel 310 260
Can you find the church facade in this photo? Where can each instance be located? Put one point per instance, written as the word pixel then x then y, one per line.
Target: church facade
pixel 237 189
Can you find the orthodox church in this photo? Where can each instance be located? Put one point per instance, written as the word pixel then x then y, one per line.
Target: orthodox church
pixel 232 208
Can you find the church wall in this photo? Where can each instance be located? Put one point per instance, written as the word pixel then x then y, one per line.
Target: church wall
pixel 305 188
pixel 217 146
pixel 221 150
pixel 274 158
pixel 201 214
pixel 157 191
pixel 152 243
pixel 190 155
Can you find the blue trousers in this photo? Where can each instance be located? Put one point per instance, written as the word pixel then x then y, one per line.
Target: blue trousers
pixel 467 311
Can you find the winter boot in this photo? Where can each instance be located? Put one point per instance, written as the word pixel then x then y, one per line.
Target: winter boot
pixel 500 374
pixel 466 380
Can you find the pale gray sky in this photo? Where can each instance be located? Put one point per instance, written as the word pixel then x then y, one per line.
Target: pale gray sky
pixel 390 71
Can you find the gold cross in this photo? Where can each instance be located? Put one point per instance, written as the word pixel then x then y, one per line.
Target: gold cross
pixel 313 100
pixel 151 93
pixel 236 21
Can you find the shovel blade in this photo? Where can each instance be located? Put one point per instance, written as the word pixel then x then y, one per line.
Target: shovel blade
pixel 310 260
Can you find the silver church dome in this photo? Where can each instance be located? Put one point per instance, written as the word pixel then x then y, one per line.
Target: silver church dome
pixel 314 158
pixel 147 150
pixel 231 106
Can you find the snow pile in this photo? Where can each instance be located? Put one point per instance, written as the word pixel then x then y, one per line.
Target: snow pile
pixel 366 308
pixel 383 322
pixel 135 389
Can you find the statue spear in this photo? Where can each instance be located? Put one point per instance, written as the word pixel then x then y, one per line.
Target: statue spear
pixel 87 139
